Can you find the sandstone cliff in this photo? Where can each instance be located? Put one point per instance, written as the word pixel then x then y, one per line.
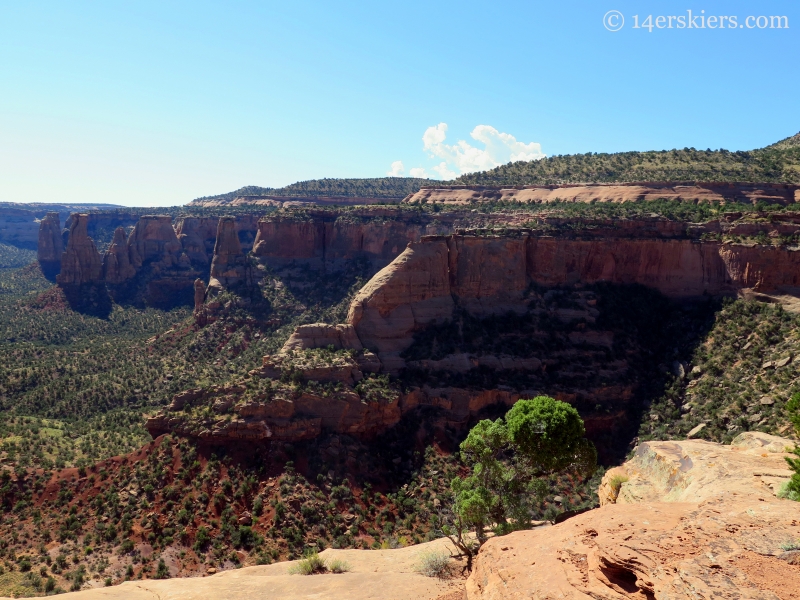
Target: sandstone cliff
pixel 50 244
pixel 81 263
pixel 198 235
pixel 776 193
pixel 153 240
pixel 490 275
pixel 330 237
pixel 229 266
pixel 117 267
pixel 693 520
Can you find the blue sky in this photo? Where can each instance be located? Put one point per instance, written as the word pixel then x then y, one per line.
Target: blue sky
pixel 156 103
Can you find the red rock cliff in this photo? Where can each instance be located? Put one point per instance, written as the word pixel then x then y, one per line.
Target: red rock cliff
pixel 379 234
pixel 489 275
pixel 80 262
pixel 117 266
pixel 51 243
pixel 229 266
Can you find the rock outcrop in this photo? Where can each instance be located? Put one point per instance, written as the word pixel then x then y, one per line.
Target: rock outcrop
pixel 775 193
pixel 81 263
pixel 198 235
pixel 693 519
pixel 266 409
pixel 490 275
pixel 229 267
pixel 153 240
pixel 322 237
pixel 50 244
pixel 117 267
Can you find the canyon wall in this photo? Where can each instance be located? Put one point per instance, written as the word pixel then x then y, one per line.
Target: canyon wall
pixel 81 263
pixel 490 275
pixel 50 244
pixel 322 237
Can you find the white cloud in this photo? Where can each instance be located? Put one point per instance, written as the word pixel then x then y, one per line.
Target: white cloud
pixel 419 172
pixel 499 149
pixel 443 171
pixel 397 169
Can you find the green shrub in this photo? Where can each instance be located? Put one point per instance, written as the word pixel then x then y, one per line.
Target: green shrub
pixel 435 563
pixel 616 482
pixel 338 566
pixel 311 564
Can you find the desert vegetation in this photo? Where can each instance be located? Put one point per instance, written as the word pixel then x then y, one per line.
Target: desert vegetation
pixel 507 461
pixel 740 378
pixel 778 163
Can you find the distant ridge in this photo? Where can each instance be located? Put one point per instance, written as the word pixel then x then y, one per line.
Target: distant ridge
pixel 390 188
pixel 777 163
pixel 787 143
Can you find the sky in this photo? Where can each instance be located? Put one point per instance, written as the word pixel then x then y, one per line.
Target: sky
pixel 156 103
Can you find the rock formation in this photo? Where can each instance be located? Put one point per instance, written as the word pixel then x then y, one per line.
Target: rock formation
pixel 490 275
pixel 199 234
pixel 330 237
pixel 117 267
pixel 50 244
pixel 81 263
pixel 773 193
pixel 153 240
pixel 199 295
pixel 264 409
pixel 693 520
pixel 229 267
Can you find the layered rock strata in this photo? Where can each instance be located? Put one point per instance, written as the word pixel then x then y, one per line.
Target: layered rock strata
pixel 775 193
pixel 491 274
pixel 693 519
pixel 265 409
pixel 50 244
pixel 328 237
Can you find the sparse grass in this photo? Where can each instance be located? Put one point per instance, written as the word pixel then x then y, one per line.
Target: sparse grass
pixel 616 482
pixel 790 545
pixel 785 492
pixel 313 564
pixel 435 563
pixel 337 565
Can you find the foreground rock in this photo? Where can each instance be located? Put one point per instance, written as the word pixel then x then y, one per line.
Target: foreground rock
pixel 693 520
pixel 373 574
